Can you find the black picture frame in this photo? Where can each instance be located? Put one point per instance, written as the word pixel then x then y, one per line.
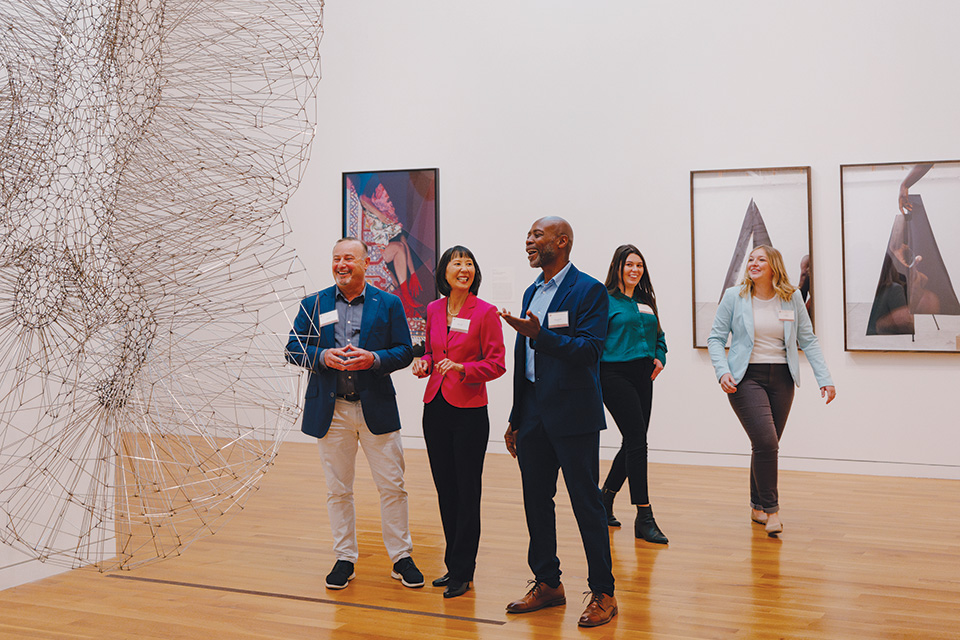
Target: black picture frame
pixel 396 212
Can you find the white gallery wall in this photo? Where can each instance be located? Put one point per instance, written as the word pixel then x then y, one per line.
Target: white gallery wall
pixel 598 112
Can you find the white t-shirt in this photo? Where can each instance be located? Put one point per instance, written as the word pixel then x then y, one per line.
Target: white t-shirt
pixel 768 344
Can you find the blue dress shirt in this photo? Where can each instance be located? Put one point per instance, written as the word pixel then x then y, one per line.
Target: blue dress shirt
pixel 539 304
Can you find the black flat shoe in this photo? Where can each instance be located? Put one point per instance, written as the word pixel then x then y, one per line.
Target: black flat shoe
pixel 455 589
pixel 442 581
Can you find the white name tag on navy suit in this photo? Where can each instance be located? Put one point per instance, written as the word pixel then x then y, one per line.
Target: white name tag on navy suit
pixel 328 318
pixel 558 319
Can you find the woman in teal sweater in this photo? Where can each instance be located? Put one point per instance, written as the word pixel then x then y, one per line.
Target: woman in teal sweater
pixel 634 354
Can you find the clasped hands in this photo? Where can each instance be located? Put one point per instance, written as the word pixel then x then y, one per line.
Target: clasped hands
pixel 348 358
pixel 421 369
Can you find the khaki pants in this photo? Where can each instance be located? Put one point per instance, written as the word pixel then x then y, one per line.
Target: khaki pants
pixel 384 453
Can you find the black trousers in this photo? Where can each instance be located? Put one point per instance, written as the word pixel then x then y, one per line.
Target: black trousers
pixel 628 396
pixel 541 456
pixel 762 403
pixel 456 445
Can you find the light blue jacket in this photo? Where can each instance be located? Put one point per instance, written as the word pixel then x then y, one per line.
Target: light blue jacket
pixel 735 316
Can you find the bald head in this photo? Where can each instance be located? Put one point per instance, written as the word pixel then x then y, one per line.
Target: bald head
pixel 549 242
pixel 561 227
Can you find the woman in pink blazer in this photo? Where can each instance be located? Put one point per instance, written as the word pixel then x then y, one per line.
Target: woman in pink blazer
pixel 463 350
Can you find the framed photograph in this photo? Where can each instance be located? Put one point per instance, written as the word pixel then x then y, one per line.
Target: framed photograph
pixel 395 212
pixel 901 256
pixel 732 212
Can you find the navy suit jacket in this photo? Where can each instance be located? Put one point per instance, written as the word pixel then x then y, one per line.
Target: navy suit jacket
pixel 567 360
pixel 383 329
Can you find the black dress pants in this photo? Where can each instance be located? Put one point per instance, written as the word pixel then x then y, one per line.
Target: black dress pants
pixel 628 396
pixel 456 441
pixel 541 456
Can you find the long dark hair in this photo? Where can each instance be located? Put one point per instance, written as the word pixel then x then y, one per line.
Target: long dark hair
pixel 643 292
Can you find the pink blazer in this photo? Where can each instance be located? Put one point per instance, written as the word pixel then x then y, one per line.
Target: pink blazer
pixel 480 350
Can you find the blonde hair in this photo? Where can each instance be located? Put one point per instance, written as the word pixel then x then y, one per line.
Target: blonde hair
pixel 781 282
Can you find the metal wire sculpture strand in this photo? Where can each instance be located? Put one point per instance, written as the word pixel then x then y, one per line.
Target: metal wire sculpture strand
pixel 147 148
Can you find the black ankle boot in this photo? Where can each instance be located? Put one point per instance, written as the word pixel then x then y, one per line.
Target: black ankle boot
pixel 608 497
pixel 646 527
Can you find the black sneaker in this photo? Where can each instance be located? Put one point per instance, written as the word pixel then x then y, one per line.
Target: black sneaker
pixel 341 575
pixel 407 573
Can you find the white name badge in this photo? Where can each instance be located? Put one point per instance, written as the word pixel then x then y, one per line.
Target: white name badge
pixel 787 315
pixel 460 325
pixel 328 318
pixel 558 319
pixel 642 308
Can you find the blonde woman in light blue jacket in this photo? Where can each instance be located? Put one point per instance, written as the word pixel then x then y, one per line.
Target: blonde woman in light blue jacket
pixel 766 320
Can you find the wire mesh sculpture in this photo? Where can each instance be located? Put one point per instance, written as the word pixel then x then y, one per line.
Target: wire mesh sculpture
pixel 147 148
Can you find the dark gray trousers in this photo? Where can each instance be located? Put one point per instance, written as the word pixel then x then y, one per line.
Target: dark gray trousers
pixel 762 403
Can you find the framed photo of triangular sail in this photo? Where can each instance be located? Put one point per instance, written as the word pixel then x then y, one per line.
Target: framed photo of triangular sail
pixel 732 211
pixel 901 256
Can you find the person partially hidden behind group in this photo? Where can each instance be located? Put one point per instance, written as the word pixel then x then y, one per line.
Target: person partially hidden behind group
pixel 463 351
pixel 350 337
pixel 557 416
pixel 634 354
pixel 765 319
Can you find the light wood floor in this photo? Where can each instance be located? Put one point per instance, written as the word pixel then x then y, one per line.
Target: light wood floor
pixel 860 557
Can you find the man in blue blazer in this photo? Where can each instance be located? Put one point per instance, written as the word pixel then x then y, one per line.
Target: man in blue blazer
pixel 557 417
pixel 351 337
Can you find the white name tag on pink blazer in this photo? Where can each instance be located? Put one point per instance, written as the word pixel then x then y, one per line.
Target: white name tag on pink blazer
pixel 460 325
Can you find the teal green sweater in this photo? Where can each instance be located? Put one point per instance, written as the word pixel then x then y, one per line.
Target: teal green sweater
pixel 631 334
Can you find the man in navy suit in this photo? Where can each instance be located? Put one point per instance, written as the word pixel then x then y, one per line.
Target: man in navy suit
pixel 557 417
pixel 351 337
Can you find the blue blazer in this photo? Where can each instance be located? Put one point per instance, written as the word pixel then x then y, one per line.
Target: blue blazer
pixel 383 330
pixel 567 360
pixel 735 316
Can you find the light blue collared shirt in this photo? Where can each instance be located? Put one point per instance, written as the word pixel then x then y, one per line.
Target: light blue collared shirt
pixel 539 304
pixel 347 331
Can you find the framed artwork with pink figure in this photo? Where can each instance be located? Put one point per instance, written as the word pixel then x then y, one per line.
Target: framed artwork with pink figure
pixel 395 212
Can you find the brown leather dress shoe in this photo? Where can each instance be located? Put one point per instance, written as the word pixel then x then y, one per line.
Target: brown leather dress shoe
pixel 540 596
pixel 600 610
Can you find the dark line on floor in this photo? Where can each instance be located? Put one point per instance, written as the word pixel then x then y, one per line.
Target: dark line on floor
pixel 286 596
pixel 817 458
